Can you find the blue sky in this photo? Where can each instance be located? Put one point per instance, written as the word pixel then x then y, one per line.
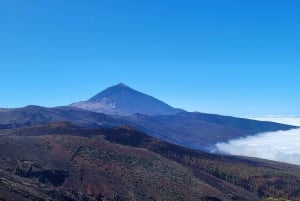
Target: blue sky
pixel 229 57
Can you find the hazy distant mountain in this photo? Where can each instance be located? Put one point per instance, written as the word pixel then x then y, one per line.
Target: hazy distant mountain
pixel 123 100
pixel 194 130
pixel 152 116
pixel 199 130
pixel 35 115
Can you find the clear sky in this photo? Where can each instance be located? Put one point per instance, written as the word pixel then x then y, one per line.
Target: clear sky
pixel 219 56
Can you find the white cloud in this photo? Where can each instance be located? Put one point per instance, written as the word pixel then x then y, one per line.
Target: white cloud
pixel 281 146
pixel 291 120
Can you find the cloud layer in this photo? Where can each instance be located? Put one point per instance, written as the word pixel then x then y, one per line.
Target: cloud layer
pixel 291 120
pixel 281 146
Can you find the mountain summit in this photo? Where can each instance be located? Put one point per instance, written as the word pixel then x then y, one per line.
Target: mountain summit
pixel 123 100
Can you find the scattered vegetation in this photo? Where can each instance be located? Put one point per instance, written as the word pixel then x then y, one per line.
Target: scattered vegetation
pixel 261 179
pixel 275 199
pixel 264 179
pixel 124 164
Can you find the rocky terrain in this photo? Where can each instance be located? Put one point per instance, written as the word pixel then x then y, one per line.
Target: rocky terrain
pixel 62 161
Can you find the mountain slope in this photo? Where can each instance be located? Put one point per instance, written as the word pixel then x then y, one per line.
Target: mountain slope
pixel 122 100
pixel 76 163
pixel 34 115
pixel 194 130
pixel 199 130
pixel 102 166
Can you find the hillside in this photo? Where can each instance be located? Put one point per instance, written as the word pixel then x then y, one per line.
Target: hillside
pixel 194 130
pixel 65 162
pixel 200 130
pixel 35 115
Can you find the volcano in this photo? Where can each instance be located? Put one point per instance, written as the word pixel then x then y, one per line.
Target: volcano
pixel 123 100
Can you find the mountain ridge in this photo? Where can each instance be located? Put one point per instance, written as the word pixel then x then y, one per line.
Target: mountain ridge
pixel 195 130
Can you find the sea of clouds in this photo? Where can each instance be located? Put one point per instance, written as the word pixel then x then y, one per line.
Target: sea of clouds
pixel 291 120
pixel 283 146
